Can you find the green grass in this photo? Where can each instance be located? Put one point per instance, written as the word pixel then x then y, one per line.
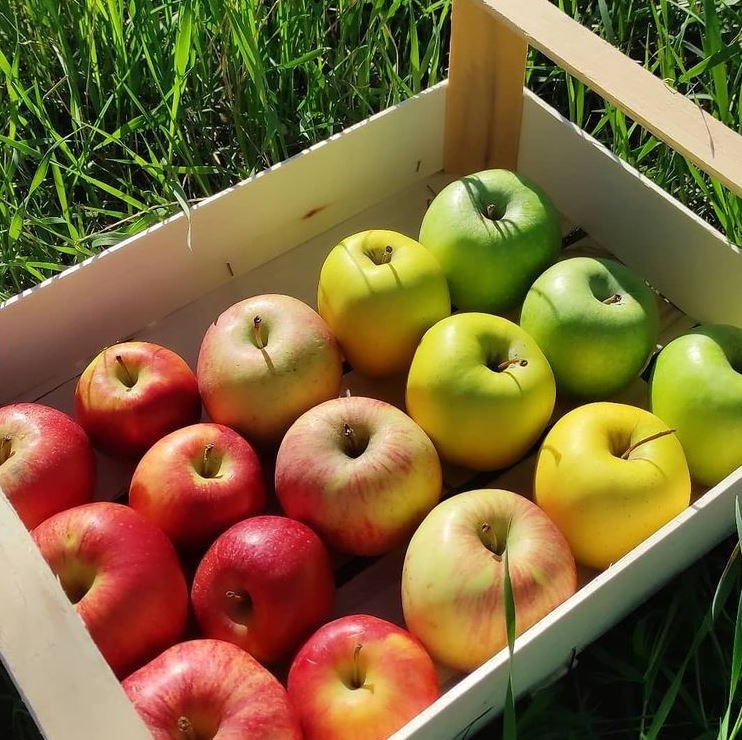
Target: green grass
pixel 115 114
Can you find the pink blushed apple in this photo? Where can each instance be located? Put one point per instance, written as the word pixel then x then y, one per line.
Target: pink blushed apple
pixel 360 677
pixel 453 576
pixel 196 482
pixel 132 394
pixel 211 689
pixel 265 361
pixel 360 472
pixel 265 584
pixel 123 576
pixel 46 461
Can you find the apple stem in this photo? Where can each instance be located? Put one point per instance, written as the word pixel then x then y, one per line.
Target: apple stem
pixel 663 433
pixel 386 258
pixel 357 679
pixel 208 470
pixel 256 322
pixel 615 298
pixel 6 448
pixel 512 361
pixel 351 437
pixel 236 595
pixel 128 378
pixel 491 211
pixel 185 727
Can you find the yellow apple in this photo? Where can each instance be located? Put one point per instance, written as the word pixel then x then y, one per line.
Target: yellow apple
pixel 481 389
pixel 379 291
pixel 610 475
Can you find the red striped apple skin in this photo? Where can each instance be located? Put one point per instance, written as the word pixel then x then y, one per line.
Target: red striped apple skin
pixel 124 577
pixel 46 461
pixel 453 575
pixel 343 691
pixel 211 689
pixel 265 584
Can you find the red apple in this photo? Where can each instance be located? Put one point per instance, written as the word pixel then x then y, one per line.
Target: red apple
pixel 453 576
pixel 265 584
pixel 360 677
pixel 211 689
pixel 123 576
pixel 196 482
pixel 360 472
pixel 134 393
pixel 264 362
pixel 46 461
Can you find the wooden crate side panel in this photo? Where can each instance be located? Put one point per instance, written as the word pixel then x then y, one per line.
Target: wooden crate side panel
pixel 678 253
pixel 115 294
pixel 62 677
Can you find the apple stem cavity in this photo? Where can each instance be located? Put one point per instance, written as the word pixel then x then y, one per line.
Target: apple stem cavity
pixel 125 374
pixel 509 363
pixel 490 541
pixel 615 298
pixel 379 257
pixel 493 212
pixel 6 448
pixel 355 446
pixel 257 334
pixel 185 728
pixel 651 437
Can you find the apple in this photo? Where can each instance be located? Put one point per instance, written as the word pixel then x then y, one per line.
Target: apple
pixel 482 390
pixel 597 323
pixel 696 387
pixel 123 576
pixel 359 472
pixel 196 482
pixel 265 584
pixel 453 576
pixel 211 689
pixel 493 233
pixel 610 475
pixel 360 677
pixel 132 394
pixel 379 291
pixel 46 461
pixel 264 362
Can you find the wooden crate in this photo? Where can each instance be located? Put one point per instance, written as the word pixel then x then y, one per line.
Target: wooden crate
pixel 271 233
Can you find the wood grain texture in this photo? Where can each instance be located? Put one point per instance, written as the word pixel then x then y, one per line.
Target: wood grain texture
pixel 485 91
pixel 670 116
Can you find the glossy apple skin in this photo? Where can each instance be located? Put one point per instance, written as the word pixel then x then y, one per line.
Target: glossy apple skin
pixel 696 388
pixel 478 417
pixel 365 504
pixel 123 576
pixel 596 349
pixel 491 264
pixel 212 689
pixel 399 680
pixel 123 419
pixel 191 500
pixel 260 392
pixel 605 505
pixel 379 312
pixel 453 595
pixel 265 584
pixel 46 461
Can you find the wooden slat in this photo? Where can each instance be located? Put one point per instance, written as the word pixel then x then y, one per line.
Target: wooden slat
pixel 485 91
pixel 670 116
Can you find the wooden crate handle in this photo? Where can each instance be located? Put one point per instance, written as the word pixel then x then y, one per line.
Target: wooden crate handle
pixel 489 41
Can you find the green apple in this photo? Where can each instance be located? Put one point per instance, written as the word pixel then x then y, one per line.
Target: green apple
pixel 481 389
pixel 493 233
pixel 609 475
pixel 696 387
pixel 597 323
pixel 379 291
